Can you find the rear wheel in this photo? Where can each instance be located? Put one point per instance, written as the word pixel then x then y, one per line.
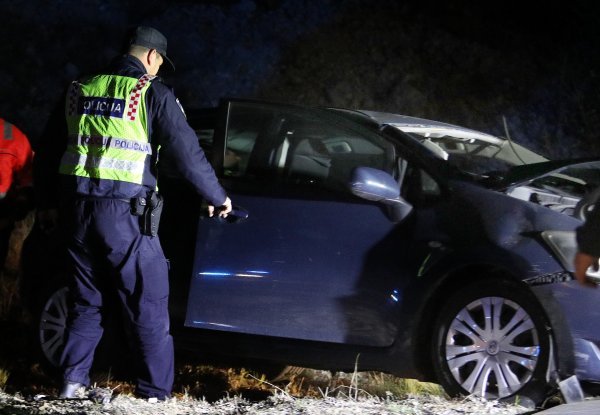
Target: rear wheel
pixel 112 351
pixel 52 324
pixel 491 339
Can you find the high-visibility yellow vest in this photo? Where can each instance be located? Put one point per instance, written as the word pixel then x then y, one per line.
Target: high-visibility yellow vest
pixel 107 124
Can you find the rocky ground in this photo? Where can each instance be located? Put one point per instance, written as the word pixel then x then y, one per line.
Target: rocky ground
pixel 28 388
pixel 280 403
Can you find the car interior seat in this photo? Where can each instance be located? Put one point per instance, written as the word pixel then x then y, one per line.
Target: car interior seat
pixel 309 159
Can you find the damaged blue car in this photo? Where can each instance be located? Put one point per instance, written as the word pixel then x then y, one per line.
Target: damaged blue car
pixel 381 241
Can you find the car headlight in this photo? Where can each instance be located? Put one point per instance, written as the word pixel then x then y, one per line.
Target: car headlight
pixel 564 246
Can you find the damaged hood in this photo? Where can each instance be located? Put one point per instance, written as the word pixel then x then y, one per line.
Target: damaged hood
pixel 502 165
pixel 565 186
pixel 571 187
pixel 578 172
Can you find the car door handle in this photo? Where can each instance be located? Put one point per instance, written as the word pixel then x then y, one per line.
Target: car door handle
pixel 236 215
pixel 239 212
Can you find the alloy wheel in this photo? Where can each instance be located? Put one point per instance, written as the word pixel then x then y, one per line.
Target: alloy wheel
pixel 492 347
pixel 53 320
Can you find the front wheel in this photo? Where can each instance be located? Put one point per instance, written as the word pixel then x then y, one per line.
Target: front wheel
pixel 492 339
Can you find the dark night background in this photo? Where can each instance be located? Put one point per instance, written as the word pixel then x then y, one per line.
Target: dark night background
pixel 469 63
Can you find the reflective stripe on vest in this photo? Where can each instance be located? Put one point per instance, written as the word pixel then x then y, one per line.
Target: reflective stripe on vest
pixel 108 131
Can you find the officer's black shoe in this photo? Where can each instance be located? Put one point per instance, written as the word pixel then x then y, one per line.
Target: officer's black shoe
pixel 71 390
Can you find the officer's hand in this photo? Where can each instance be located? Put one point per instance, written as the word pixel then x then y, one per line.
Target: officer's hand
pixel 582 263
pixel 223 210
pixel 48 220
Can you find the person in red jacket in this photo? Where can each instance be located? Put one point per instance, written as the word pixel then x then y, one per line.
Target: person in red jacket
pixel 15 159
pixel 16 177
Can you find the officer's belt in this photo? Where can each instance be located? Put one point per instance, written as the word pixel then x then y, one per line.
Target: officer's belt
pixel 97 198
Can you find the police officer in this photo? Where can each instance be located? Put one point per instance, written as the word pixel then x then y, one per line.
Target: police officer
pixel 105 146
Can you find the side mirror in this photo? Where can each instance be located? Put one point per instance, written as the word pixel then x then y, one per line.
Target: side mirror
pixel 376 185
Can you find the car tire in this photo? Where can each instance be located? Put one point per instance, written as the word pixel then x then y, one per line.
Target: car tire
pixel 52 322
pixel 505 358
pixel 112 350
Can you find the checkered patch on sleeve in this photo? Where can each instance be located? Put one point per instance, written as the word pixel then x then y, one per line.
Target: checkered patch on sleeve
pixel 135 96
pixel 72 96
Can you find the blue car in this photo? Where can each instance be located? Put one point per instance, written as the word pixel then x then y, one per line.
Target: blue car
pixel 393 243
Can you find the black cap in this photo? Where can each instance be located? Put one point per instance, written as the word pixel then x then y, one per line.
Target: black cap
pixel 151 38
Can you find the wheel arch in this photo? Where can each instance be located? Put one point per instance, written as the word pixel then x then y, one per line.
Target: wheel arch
pixel 562 341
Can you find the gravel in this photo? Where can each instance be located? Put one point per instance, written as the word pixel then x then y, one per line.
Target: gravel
pixel 100 402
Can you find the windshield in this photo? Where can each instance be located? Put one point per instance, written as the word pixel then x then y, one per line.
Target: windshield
pixel 476 155
pixel 471 151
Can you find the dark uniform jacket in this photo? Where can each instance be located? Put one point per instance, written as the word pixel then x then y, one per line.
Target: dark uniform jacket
pixel 588 235
pixel 168 128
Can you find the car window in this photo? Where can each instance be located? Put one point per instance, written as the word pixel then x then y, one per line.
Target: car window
pixel 205 139
pixel 298 147
pixel 203 123
pixel 419 185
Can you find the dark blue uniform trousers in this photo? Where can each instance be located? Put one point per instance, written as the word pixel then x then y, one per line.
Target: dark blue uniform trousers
pixel 108 252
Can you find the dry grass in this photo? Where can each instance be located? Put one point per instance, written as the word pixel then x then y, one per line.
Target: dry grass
pixel 213 383
pixel 9 294
pixel 10 279
pixel 4 375
pixel 11 271
pixel 381 384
